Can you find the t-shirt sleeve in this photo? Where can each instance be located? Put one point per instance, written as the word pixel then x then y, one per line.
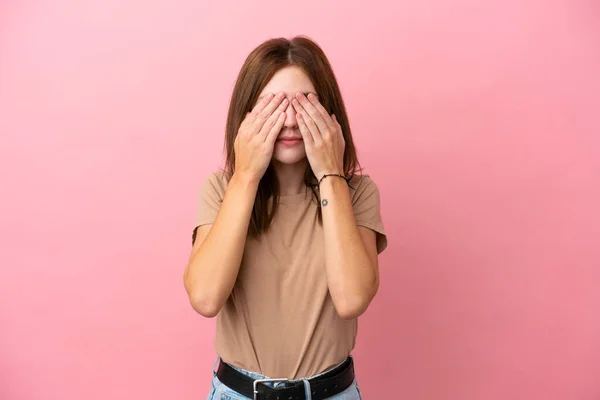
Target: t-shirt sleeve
pixel 212 192
pixel 367 211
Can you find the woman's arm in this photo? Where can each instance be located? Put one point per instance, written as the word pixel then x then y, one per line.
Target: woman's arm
pixel 350 252
pixel 217 252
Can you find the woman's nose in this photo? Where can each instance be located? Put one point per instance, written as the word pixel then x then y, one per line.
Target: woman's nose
pixel 290 116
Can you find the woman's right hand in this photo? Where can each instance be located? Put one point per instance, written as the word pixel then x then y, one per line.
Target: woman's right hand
pixel 256 137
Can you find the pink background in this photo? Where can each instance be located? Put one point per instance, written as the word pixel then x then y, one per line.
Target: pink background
pixel 478 120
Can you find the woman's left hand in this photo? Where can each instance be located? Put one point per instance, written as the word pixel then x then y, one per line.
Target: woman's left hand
pixel 322 135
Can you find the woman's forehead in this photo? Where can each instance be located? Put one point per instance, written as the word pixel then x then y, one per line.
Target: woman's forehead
pixel 289 80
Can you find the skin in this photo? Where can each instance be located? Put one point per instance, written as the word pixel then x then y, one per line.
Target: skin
pixel 289 162
pixel 283 110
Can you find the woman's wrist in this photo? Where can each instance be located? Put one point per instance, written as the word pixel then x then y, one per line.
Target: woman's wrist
pixel 330 184
pixel 331 176
pixel 321 175
pixel 244 184
pixel 245 179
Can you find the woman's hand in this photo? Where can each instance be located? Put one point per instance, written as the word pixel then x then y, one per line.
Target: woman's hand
pixel 256 137
pixel 322 136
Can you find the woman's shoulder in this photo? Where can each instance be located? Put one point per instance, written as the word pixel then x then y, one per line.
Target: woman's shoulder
pixel 216 182
pixel 220 176
pixel 361 182
pixel 363 189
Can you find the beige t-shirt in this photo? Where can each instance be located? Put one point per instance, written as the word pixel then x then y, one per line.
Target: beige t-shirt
pixel 280 320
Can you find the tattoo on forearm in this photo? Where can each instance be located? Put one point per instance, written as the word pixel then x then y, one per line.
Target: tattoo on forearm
pixel 324 202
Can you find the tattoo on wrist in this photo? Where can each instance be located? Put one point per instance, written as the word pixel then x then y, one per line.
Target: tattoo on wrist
pixel 324 202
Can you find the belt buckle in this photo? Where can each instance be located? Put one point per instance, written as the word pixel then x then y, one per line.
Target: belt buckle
pixel 257 381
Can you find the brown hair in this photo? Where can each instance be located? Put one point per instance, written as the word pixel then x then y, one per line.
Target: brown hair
pixel 258 69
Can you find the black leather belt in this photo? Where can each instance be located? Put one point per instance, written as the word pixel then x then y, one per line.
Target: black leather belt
pixel 322 387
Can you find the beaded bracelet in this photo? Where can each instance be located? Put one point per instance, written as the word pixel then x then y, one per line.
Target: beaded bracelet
pixel 338 175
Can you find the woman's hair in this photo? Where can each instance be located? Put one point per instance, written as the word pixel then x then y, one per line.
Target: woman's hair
pixel 258 69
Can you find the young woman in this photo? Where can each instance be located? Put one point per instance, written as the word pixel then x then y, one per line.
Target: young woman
pixel 287 236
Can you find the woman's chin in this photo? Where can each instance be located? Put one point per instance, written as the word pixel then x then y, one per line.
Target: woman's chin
pixel 289 156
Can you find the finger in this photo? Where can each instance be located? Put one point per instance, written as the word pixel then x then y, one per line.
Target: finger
pixel 274 132
pixel 247 121
pixel 314 100
pixel 306 135
pixel 338 127
pixel 273 119
pixel 308 122
pixel 261 104
pixel 268 110
pixel 314 114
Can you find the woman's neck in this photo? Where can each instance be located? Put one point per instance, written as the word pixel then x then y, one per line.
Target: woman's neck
pixel 290 177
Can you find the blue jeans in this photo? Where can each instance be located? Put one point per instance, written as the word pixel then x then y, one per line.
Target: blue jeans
pixel 218 390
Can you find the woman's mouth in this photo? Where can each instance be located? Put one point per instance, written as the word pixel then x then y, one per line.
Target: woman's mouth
pixel 290 141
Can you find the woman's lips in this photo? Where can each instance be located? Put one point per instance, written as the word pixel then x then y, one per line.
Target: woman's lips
pixel 289 141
